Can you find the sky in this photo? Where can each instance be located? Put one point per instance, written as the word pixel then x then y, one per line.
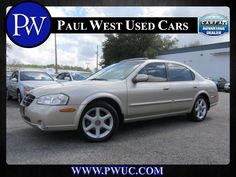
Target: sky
pixel 80 49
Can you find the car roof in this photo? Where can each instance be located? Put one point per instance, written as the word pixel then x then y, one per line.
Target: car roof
pixel 133 59
pixel 146 60
pixel 74 72
pixel 32 71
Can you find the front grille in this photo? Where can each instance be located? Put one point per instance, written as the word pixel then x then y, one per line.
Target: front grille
pixel 28 99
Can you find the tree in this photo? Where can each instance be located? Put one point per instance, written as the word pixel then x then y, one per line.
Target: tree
pixel 150 52
pixel 121 46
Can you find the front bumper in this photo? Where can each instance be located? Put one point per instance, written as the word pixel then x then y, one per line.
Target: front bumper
pixel 46 117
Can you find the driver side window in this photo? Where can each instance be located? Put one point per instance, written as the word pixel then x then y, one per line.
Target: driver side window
pixel 156 72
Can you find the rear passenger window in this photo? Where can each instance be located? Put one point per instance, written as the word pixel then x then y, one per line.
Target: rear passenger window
pixel 177 72
pixel 155 71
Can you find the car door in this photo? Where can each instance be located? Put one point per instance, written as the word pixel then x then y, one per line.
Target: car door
pixel 9 84
pixel 151 97
pixel 13 84
pixel 183 86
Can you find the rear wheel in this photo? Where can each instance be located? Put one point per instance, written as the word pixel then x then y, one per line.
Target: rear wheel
pixel 98 122
pixel 199 110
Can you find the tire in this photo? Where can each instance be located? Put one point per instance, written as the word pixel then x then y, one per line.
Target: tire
pixel 98 122
pixel 19 97
pixel 199 110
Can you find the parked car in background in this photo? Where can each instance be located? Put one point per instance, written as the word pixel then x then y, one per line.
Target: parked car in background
pixel 53 76
pixel 8 74
pixel 23 81
pixel 85 74
pixel 131 90
pixel 220 82
pixel 72 76
pixel 50 70
pixel 227 87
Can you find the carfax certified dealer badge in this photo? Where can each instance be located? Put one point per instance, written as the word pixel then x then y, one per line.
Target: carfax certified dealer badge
pixel 213 24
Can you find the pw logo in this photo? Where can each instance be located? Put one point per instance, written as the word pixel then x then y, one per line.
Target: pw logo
pixel 25 25
pixel 28 24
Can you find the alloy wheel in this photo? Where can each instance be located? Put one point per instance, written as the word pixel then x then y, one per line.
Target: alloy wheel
pixel 97 122
pixel 200 108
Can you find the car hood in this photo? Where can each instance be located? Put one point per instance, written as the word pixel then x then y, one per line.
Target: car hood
pixel 74 87
pixel 36 84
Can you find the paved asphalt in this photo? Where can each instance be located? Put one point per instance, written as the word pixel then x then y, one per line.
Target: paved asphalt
pixel 173 140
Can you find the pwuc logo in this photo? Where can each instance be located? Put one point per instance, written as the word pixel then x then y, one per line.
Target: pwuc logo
pixel 28 24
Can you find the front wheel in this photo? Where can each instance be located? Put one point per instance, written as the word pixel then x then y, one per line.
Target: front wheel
pixel 199 110
pixel 98 122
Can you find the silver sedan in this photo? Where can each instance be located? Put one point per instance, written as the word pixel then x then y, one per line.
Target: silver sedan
pixel 131 90
pixel 22 81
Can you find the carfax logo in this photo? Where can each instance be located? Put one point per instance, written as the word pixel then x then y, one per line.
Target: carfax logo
pixel 213 24
pixel 28 24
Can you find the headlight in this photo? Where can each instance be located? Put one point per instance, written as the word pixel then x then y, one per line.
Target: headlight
pixel 57 99
pixel 27 89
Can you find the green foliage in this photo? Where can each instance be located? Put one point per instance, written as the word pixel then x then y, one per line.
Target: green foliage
pixel 122 46
pixel 150 52
pixel 64 67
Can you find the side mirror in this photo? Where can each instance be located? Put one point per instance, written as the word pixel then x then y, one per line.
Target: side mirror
pixel 67 78
pixel 13 79
pixel 140 78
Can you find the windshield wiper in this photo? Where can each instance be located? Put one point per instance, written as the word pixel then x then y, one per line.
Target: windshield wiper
pixel 99 79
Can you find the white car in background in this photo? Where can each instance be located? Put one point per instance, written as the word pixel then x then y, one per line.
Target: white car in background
pixel 23 81
pixel 72 76
pixel 227 87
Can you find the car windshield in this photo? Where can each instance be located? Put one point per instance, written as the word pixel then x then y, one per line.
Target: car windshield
pixel 118 71
pixel 77 76
pixel 35 76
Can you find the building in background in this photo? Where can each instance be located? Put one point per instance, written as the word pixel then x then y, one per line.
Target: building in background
pixel 212 60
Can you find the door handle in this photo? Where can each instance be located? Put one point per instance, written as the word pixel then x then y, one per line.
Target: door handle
pixel 194 86
pixel 166 88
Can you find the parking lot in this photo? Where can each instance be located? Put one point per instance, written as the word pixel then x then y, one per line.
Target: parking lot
pixel 172 140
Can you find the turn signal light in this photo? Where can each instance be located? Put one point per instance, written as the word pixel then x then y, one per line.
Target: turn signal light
pixel 68 110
